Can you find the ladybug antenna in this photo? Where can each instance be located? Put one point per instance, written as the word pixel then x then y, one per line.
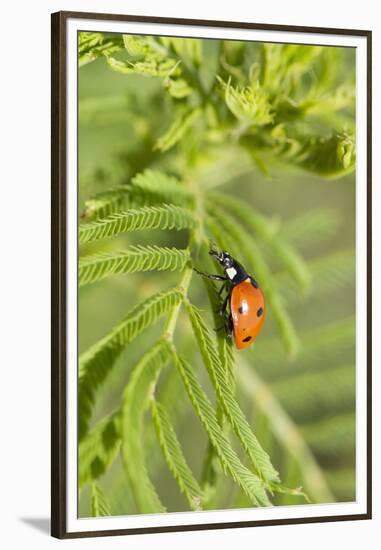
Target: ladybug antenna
pixel 216 253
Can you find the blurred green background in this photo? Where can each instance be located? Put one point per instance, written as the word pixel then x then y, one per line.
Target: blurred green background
pixel 301 407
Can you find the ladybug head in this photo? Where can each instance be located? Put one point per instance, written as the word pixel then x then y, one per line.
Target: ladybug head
pixel 234 271
pixel 223 258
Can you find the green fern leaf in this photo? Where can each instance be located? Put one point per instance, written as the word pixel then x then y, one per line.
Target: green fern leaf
pixel 96 363
pixel 150 67
pixel 148 187
pixel 284 65
pixel 167 216
pixel 92 45
pixel 174 456
pixel 250 483
pixel 211 470
pixel 165 187
pixel 105 203
pixel 185 48
pixel 139 46
pixel 232 410
pixel 177 130
pixel 98 449
pixel 178 87
pixel 250 105
pixel 135 401
pixel 137 258
pixel 99 502
pixel 285 431
pixel 329 156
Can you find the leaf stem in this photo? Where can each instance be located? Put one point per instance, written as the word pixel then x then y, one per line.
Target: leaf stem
pixel 171 322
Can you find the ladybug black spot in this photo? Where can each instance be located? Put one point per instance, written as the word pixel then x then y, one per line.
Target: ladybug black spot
pixel 259 312
pixel 247 339
pixel 240 309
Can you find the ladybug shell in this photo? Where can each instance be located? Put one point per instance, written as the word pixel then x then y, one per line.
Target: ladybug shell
pixel 248 310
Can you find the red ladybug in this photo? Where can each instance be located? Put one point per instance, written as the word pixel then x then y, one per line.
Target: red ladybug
pixel 245 298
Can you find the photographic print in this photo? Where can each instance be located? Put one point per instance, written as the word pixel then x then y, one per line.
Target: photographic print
pixel 215 236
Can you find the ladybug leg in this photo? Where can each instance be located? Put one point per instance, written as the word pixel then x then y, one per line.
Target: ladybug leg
pixel 221 289
pixel 213 277
pixel 229 326
pixel 222 309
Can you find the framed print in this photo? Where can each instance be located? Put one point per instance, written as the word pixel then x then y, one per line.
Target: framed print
pixel 211 298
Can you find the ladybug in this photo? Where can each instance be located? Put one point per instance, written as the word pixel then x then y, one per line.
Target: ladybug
pixel 246 300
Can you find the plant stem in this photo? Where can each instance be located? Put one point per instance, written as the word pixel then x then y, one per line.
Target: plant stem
pixel 170 324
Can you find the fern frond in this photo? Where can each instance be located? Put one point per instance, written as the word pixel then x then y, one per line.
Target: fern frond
pixel 138 258
pixel 99 502
pixel 313 395
pixel 284 65
pixel 329 156
pixel 92 45
pixel 105 203
pixel 210 469
pixel 96 363
pixel 148 187
pixel 174 456
pixel 249 482
pixel 98 449
pixel 250 104
pixel 167 216
pixel 185 48
pixel 234 234
pixel 177 130
pixel 178 87
pixel 151 67
pixel 166 187
pixel 139 46
pixel 267 230
pixel 285 430
pixel 135 401
pixel 232 410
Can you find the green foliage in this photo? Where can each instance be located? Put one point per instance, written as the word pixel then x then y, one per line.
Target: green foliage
pixel 249 105
pixel 99 503
pixel 92 45
pixel 149 187
pixel 96 363
pixel 167 216
pixel 177 130
pixel 248 481
pixel 98 449
pixel 135 401
pixel 192 115
pixel 138 258
pixel 174 456
pixel 229 405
